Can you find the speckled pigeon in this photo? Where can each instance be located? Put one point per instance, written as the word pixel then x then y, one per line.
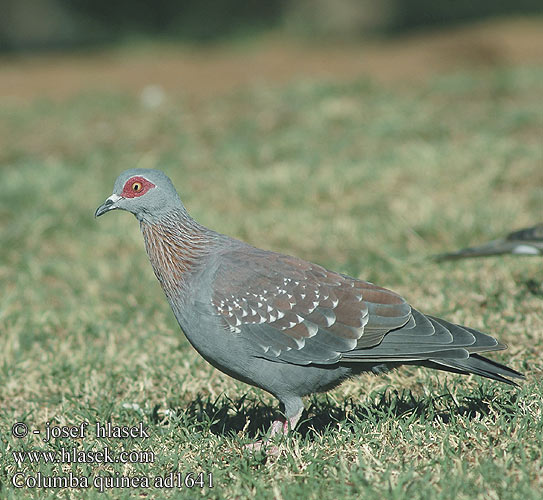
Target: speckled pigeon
pixel 528 241
pixel 278 322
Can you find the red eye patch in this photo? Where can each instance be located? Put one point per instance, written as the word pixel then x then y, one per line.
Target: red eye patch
pixel 136 186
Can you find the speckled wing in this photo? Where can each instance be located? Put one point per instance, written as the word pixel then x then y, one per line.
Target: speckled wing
pixel 293 311
pixel 528 241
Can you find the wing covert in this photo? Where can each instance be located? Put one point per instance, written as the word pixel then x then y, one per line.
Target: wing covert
pixel 298 312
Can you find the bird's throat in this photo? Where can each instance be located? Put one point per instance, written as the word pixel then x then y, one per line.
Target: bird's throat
pixel 174 250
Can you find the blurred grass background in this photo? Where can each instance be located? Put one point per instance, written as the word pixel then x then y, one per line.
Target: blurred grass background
pixel 364 156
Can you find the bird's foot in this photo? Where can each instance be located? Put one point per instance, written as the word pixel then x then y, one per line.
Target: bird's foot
pixel 280 426
pixel 265 446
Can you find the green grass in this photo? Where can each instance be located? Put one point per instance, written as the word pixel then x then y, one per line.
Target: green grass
pixel 363 179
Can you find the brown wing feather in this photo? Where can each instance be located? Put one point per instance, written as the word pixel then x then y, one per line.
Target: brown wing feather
pixel 300 312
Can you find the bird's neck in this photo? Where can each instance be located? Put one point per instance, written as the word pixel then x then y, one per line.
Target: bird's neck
pixel 175 244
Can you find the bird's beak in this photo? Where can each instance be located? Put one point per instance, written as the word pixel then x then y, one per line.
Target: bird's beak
pixel 109 204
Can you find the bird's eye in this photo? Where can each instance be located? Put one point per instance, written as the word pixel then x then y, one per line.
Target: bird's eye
pixel 136 186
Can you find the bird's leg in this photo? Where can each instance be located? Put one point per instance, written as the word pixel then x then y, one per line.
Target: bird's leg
pixel 279 426
pixel 282 425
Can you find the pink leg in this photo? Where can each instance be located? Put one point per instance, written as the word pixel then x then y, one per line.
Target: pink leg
pixel 280 426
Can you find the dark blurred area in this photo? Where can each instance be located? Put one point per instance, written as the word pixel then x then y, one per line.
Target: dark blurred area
pixel 27 25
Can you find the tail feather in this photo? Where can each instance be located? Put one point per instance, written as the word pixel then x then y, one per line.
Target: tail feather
pixel 528 241
pixel 439 344
pixel 478 365
pixel 496 247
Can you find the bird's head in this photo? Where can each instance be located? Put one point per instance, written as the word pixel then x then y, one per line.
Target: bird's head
pixel 148 194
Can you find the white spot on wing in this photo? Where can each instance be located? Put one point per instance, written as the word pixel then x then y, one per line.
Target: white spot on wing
pixel 312 328
pixel 300 343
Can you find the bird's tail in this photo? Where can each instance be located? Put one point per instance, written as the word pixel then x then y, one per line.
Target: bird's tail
pixel 496 247
pixel 478 365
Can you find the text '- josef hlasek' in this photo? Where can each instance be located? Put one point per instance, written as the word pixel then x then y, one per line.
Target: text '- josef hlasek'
pixel 101 431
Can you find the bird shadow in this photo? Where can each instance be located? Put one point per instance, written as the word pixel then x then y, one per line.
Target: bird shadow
pixel 533 287
pixel 223 416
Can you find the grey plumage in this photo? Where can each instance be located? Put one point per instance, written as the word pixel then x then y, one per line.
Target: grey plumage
pixel 278 322
pixel 528 241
